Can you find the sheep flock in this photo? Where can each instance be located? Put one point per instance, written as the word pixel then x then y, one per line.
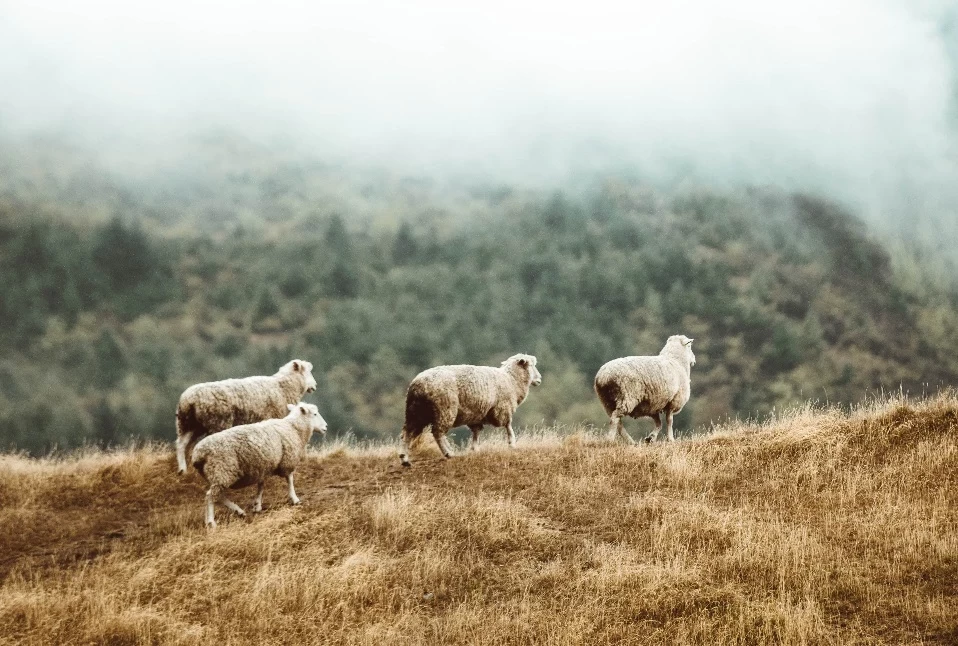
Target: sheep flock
pixel 238 432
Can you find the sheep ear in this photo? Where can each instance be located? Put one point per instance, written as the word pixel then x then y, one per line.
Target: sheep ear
pixel 291 407
pixel 296 366
pixel 522 361
pixel 302 410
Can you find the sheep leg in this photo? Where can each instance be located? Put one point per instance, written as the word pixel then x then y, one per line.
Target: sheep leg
pixel 404 449
pixel 625 436
pixel 258 503
pixel 511 435
pixel 232 506
pixel 181 443
pixel 448 443
pixel 616 427
pixel 651 437
pixel 210 502
pixel 215 494
pixel 668 426
pixel 293 498
pixel 474 444
pixel 439 434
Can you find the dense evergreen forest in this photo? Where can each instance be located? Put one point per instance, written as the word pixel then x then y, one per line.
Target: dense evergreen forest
pixel 121 288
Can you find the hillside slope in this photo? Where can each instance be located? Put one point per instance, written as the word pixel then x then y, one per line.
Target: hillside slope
pixel 817 527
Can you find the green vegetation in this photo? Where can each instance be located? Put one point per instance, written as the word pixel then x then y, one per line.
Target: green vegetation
pixel 120 290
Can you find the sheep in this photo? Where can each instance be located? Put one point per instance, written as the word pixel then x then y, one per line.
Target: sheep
pixel 214 406
pixel 244 455
pixel 647 387
pixel 448 396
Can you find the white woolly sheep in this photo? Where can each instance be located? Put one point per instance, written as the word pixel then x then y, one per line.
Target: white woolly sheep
pixel 214 406
pixel 647 387
pixel 448 396
pixel 245 455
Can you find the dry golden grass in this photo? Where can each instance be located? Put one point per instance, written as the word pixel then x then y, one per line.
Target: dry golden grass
pixel 818 527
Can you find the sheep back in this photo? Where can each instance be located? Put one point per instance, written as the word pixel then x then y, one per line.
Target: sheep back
pixel 642 386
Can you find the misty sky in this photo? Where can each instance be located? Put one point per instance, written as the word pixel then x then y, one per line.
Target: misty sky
pixel 851 96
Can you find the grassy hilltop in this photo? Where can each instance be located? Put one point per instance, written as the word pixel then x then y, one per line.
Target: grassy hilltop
pixel 815 527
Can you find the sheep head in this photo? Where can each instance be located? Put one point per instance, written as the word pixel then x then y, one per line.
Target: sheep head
pixel 309 411
pixel 680 347
pixel 304 368
pixel 526 363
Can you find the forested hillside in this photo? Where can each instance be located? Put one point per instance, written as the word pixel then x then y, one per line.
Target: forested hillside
pixel 123 285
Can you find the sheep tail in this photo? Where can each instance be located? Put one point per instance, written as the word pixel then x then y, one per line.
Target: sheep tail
pixel 186 419
pixel 420 413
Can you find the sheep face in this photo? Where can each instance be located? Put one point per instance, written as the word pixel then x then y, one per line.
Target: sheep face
pixel 528 363
pixel 302 409
pixel 303 367
pixel 535 378
pixel 681 346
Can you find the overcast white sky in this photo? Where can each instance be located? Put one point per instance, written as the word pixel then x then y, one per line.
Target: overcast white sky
pixel 853 95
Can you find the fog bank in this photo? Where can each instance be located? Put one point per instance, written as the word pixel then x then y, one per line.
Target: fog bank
pixel 855 98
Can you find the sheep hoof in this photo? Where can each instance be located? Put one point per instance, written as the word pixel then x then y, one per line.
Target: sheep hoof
pixel 648 440
pixel 211 524
pixel 406 463
pixel 182 472
pixel 296 502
